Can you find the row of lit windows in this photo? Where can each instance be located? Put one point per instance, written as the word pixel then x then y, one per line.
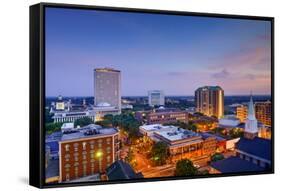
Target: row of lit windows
pixel 84 145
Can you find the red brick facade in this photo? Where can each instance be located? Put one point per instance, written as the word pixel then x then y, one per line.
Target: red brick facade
pixel 86 156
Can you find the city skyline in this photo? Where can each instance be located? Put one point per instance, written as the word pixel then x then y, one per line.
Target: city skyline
pixel 232 53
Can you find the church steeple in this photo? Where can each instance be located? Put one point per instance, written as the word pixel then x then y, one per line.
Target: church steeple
pixel 251 123
pixel 251 109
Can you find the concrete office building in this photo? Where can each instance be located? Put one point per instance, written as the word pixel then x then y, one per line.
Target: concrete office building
pixel 107 87
pixel 156 98
pixel 210 101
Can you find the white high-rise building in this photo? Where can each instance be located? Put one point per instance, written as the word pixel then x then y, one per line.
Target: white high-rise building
pixel 156 97
pixel 107 87
pixel 251 123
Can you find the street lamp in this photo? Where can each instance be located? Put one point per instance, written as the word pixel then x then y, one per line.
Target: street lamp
pixel 99 154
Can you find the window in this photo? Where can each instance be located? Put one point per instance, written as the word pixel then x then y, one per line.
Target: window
pixel 84 145
pixel 92 146
pixel 92 167
pixel 67 165
pixel 108 150
pixel 67 146
pixel 84 157
pixel 84 170
pixel 67 177
pixel 108 140
pixel 76 145
pixel 67 156
pixel 108 159
pixel 76 154
pixel 100 165
pixel 76 172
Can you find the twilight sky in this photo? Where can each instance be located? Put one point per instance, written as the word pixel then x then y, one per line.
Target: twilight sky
pixel 176 54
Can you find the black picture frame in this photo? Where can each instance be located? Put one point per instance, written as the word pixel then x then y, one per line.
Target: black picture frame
pixel 37 91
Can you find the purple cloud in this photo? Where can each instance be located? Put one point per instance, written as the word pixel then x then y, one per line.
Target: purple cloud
pixel 222 74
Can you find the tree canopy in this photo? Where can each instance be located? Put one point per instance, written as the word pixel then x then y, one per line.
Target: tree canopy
pixel 52 127
pixel 125 121
pixel 216 157
pixel 159 153
pixel 236 132
pixel 185 167
pixel 83 121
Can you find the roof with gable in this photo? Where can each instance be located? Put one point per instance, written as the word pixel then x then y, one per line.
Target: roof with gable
pixel 121 170
pixel 234 165
pixel 258 147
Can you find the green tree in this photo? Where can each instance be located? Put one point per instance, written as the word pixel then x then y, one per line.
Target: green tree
pixel 216 157
pixel 185 167
pixel 191 126
pixel 108 117
pixel 235 133
pixel 104 123
pixel 130 158
pixel 159 153
pixel 48 116
pixel 52 127
pixel 125 121
pixel 83 121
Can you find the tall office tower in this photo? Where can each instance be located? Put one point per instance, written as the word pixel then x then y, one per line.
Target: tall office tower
pixel 263 112
pixel 251 123
pixel 156 97
pixel 210 101
pixel 107 87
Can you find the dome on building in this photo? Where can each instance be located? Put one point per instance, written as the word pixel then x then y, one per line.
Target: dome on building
pixel 161 107
pixel 103 104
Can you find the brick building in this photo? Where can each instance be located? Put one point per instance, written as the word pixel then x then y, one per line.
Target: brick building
pixel 86 151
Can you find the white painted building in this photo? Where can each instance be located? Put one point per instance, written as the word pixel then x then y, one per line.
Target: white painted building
pixel 156 97
pixel 71 116
pixel 149 130
pixel 229 120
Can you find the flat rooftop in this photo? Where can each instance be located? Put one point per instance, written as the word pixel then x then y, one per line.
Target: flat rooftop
pixel 91 130
pixel 178 134
pixel 157 127
pixel 207 135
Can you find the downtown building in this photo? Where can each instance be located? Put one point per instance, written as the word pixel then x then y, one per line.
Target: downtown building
pixel 182 144
pixel 64 111
pixel 162 115
pixel 107 88
pixel 209 100
pixel 87 151
pixel 107 98
pixel 262 112
pixel 167 117
pixel 156 98
pixel 252 153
